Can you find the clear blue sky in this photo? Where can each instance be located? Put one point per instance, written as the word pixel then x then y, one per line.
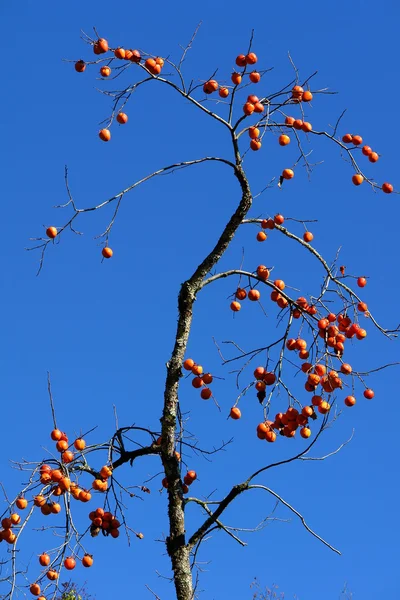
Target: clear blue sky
pixel 105 330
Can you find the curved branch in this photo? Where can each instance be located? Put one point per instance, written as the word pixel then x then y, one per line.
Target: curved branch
pixel 290 507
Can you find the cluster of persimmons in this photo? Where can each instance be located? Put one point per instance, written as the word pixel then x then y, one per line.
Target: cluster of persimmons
pixel 254 105
pixel 321 380
pixel 55 481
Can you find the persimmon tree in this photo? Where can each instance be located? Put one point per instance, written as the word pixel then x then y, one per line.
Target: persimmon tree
pixel 312 334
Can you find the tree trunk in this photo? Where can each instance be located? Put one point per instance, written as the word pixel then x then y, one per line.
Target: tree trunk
pixel 177 548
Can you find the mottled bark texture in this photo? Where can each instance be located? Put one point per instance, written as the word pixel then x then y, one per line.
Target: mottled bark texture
pixel 177 547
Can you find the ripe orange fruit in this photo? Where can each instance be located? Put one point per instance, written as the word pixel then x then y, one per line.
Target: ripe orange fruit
pixel 34 588
pixel 241 60
pixel 248 108
pixel 67 456
pixel 134 57
pixel 188 364
pixel 349 401
pixel 56 435
pixel 357 140
pixel 270 436
pixel 206 393
pixel 235 413
pixel 346 369
pixel 263 272
pixel 105 71
pixel 259 373
pixel 38 500
pixel 306 127
pixel 301 344
pixel 305 432
pixel 6 523
pixel 297 92
pixel 56 475
pixel 324 407
pixel 64 484
pixel 357 179
pixel 51 232
pixel 307 96
pixel 361 282
pixel 192 475
pixel 262 429
pixel 261 236
pixel 373 157
pixel 275 296
pixel 362 306
pixel 44 559
pixel 369 394
pixel 80 444
pixel 280 284
pixel 251 58
pixel 106 471
pixel 290 121
pixel 152 66
pixel 107 252
pixel 236 78
pixel 287 174
pixel 284 140
pixel 119 53
pixel 62 445
pixel 45 478
pixel 122 118
pixel 298 124
pixel 307 411
pixel 52 575
pixel 207 378
pixel 70 563
pixel 367 150
pixel 347 139
pixel 361 334
pixel 87 560
pixel 282 302
pixel 254 76
pixel 291 344
pixel 308 237
pixel 255 145
pixel 254 133
pixel 55 508
pixel 105 135
pixel 210 86
pixel 197 369
pixel 197 382
pixel 253 295
pixel 258 107
pixel 80 66
pixel 268 224
pixel 235 306
pixel 102 45
pixel 240 294
pixel 253 99
pixel 387 188
pixel 316 400
pixel 269 378
pixel 21 502
pixel 15 518
pixel 223 92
